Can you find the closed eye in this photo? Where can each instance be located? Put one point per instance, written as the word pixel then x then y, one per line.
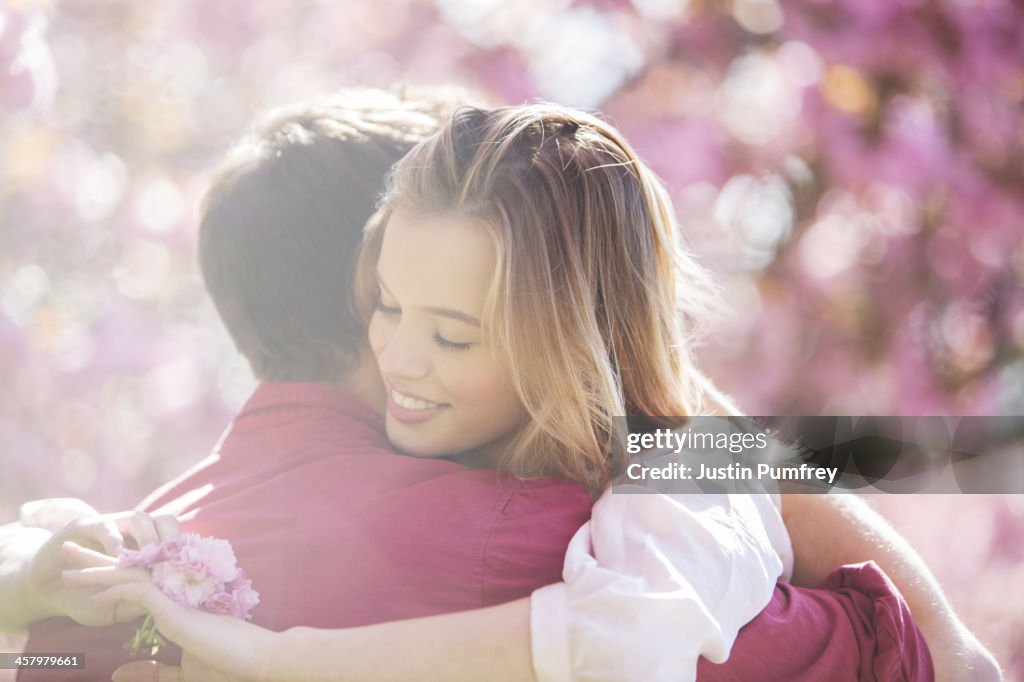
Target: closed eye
pixel 387 309
pixel 450 345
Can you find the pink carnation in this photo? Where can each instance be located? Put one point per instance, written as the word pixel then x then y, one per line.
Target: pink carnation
pixel 194 571
pixel 171 548
pixel 221 602
pixel 234 600
pixel 245 597
pixel 215 555
pixel 185 585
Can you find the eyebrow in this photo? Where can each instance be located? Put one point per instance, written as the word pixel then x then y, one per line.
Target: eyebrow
pixel 443 312
pixel 454 314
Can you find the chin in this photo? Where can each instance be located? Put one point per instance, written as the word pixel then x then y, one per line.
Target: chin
pixel 414 445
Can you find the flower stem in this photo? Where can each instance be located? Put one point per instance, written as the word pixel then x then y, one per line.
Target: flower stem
pixel 146 638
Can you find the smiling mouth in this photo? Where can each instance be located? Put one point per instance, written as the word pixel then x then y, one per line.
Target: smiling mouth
pixel 409 402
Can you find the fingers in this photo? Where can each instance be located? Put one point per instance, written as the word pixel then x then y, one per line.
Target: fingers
pixel 133 599
pixel 100 529
pixel 127 602
pixel 144 593
pixel 83 557
pixel 147 671
pixel 104 575
pixel 141 527
pixel 146 529
pixel 122 606
pixel 127 611
pixel 192 629
pixel 167 527
pixel 109 531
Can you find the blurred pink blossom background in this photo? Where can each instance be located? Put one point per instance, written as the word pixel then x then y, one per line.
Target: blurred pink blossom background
pixel 850 169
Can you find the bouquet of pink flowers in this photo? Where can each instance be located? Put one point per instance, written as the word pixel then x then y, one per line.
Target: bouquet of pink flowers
pixel 194 571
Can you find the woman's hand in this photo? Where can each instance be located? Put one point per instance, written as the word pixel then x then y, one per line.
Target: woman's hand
pixel 224 648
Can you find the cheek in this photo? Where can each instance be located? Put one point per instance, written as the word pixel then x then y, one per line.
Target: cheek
pixel 484 387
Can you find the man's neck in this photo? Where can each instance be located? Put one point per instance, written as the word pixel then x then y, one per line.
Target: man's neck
pixel 364 383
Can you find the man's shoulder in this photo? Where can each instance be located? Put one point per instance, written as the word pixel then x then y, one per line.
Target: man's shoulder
pixel 507 494
pixel 284 433
pixel 526 542
pixel 543 495
pixel 279 414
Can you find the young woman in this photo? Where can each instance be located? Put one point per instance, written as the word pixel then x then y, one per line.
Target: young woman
pixel 530 249
pixel 526 288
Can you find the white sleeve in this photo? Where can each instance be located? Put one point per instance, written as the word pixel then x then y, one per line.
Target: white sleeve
pixel 653 582
pixel 778 534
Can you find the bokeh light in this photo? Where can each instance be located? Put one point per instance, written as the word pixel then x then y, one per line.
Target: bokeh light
pixel 850 169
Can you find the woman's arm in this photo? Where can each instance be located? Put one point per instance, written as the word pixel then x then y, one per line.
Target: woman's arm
pixel 834 530
pixel 494 643
pixel 491 643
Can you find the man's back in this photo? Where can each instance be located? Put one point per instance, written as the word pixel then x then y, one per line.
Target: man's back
pixel 337 530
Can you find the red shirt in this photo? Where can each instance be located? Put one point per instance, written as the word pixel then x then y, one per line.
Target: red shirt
pixel 335 529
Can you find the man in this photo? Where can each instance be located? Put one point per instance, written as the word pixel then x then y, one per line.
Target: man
pixel 281 227
pixel 283 213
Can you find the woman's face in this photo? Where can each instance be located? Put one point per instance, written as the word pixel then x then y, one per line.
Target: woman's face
pixel 448 394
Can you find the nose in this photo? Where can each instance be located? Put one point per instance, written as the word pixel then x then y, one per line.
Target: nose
pixel 401 353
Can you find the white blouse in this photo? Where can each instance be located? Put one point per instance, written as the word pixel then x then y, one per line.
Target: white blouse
pixel 653 582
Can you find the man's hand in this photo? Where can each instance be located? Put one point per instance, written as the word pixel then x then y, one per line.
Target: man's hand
pixel 44 593
pixel 53 513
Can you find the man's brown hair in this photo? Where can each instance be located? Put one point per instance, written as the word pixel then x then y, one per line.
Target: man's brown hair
pixel 283 219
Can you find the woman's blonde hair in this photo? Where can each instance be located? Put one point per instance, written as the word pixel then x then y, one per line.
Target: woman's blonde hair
pixel 594 303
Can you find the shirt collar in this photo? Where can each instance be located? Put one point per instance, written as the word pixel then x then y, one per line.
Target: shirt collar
pixel 276 394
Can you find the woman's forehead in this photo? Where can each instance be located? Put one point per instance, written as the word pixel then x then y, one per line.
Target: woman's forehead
pixel 437 260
